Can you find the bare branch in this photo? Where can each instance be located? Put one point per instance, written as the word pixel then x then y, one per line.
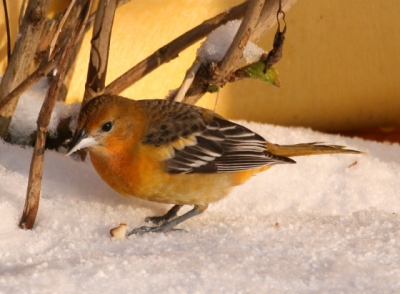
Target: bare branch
pixel 268 17
pixel 44 68
pixel 65 33
pixel 212 74
pixel 122 2
pixel 235 50
pixel 7 20
pixel 36 170
pixel 187 82
pixel 172 49
pixel 21 13
pixel 21 59
pixel 96 77
pixel 50 60
pixel 58 30
pixel 276 53
pixel 91 18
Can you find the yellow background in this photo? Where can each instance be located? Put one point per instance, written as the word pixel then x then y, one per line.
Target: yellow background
pixel 340 69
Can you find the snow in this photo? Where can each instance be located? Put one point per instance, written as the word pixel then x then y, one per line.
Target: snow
pixel 23 122
pixel 217 43
pixel 329 224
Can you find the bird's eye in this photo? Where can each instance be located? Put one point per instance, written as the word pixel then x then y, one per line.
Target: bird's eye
pixel 106 127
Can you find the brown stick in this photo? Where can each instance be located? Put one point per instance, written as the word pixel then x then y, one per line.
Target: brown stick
pixel 96 77
pixel 7 21
pixel 36 170
pixel 70 22
pixel 172 49
pixel 218 73
pixel 235 51
pixel 21 59
pixel 268 17
pixel 44 68
pixel 212 74
pixel 60 25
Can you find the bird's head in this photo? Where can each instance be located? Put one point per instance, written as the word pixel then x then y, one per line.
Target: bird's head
pixel 104 124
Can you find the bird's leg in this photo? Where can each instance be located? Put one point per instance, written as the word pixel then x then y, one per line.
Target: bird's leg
pixel 169 225
pixel 163 218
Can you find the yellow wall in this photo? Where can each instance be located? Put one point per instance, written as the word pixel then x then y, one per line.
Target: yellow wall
pixel 340 68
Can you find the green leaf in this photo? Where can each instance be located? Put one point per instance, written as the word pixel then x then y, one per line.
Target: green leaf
pixel 255 71
pixel 213 89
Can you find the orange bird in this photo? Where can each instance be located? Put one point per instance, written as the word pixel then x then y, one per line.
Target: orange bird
pixel 175 153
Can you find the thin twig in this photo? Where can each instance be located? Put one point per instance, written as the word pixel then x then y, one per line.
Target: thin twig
pixel 187 81
pixel 218 74
pixel 96 77
pixel 276 53
pixel 268 17
pixel 51 60
pixel 172 49
pixel 36 170
pixel 210 74
pixel 7 30
pixel 66 32
pixel 21 13
pixel 58 30
pixel 44 68
pixel 88 26
pixel 235 50
pixel 92 16
pixel 22 57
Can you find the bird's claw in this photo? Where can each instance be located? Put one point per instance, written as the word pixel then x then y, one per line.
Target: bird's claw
pixel 155 219
pixel 144 229
pixel 169 225
pixel 160 229
pixel 171 214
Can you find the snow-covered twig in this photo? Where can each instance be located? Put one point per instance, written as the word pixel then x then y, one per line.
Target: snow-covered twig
pixel 44 68
pixel 235 51
pixel 220 73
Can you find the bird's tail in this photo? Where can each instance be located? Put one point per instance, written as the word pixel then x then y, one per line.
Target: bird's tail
pixel 314 148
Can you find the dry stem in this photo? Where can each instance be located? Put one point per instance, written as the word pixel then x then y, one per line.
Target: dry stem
pixel 96 77
pixel 235 50
pixel 36 170
pixel 7 21
pixel 21 59
pixel 268 17
pixel 213 74
pixel 44 68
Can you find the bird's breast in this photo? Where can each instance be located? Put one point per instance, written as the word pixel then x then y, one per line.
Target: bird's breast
pixel 142 174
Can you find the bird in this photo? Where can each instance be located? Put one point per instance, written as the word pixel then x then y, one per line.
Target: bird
pixel 175 153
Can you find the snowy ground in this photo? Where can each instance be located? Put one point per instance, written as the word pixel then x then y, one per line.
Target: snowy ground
pixel 329 224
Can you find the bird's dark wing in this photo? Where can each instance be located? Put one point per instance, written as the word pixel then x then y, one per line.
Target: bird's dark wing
pixel 223 147
pixel 217 145
pixel 171 120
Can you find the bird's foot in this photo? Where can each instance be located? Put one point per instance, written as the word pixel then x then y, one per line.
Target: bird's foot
pixel 163 218
pixel 169 225
pixel 159 229
pixel 156 219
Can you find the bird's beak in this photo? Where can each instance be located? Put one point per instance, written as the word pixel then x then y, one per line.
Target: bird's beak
pixel 80 141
